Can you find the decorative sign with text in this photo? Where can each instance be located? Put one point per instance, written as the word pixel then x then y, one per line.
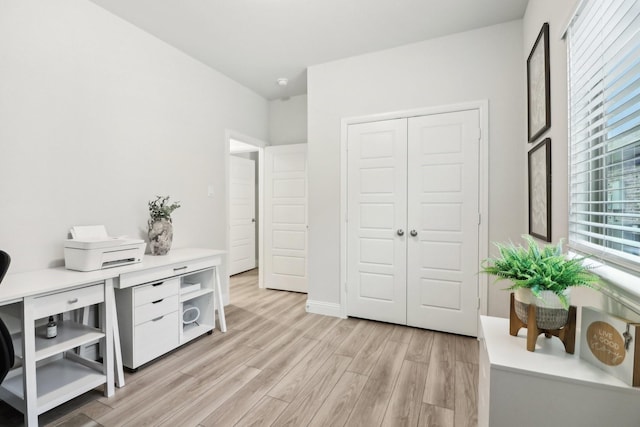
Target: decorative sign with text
pixel 612 344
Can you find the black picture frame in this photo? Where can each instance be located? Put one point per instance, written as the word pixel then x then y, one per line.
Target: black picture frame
pixel 539 86
pixel 539 166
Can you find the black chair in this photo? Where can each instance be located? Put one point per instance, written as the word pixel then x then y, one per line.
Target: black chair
pixel 5 260
pixel 7 355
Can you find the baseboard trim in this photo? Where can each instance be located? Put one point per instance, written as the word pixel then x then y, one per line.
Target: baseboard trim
pixel 324 308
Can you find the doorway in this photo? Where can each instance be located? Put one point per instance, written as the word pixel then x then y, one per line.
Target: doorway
pixel 243 239
pixel 244 166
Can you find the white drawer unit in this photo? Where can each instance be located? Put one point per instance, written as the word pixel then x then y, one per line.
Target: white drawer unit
pixel 150 313
pixel 548 387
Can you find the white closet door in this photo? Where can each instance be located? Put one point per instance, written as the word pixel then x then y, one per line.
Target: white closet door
pixel 377 203
pixel 443 209
pixel 242 190
pixel 285 233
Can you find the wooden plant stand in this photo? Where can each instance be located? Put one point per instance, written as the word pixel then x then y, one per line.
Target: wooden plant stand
pixel 566 334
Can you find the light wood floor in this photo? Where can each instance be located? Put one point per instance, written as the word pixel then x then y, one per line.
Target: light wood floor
pixel 278 365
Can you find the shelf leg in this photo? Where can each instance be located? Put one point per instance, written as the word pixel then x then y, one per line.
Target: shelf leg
pixel 108 321
pixel 117 350
pixel 220 303
pixel 84 319
pixel 29 364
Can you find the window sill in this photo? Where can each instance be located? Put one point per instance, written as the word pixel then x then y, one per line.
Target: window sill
pixel 620 285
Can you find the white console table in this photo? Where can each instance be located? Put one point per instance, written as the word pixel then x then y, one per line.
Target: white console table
pixel 548 387
pixel 35 386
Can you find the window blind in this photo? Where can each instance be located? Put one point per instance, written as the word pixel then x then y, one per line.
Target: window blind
pixel 604 130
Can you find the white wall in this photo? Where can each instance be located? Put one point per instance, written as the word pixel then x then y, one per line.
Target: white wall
pixel 557 14
pixel 96 118
pixel 470 66
pixel 288 120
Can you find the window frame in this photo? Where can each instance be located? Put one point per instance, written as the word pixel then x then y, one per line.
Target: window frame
pixel 606 256
pixel 621 283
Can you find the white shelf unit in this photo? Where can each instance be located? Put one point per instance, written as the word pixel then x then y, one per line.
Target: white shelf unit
pixel 54 372
pixel 202 299
pixel 57 382
pixel 70 335
pixel 548 387
pixel 150 307
pixel 195 294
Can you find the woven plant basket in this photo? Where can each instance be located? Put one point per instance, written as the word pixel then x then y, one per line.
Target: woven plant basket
pixel 549 312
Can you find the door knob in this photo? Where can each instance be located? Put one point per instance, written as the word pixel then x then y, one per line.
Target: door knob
pixel 414 233
pixel 400 232
pixel 253 220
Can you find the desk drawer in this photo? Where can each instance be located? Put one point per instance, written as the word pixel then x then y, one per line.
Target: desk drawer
pixel 69 300
pixel 158 273
pixel 155 291
pixel 155 309
pixel 155 338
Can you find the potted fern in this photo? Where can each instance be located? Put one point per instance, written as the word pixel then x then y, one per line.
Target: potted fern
pixel 542 277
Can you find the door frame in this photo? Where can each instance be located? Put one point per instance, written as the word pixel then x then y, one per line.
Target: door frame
pixel 228 136
pixel 483 186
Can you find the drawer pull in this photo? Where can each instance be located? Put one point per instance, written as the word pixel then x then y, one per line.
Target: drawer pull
pixel 157 284
pixel 157 318
pixel 155 302
pixel 180 268
pixel 73 301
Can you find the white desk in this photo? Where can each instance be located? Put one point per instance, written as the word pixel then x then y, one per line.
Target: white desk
pixel 58 287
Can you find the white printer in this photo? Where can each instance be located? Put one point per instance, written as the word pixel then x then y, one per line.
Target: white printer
pixel 91 248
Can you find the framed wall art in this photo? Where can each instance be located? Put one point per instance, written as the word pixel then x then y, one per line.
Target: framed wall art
pixel 540 190
pixel 538 86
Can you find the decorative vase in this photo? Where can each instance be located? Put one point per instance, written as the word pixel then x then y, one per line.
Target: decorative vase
pixel 550 314
pixel 160 236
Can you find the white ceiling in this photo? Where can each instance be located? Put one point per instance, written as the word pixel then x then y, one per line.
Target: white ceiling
pixel 257 41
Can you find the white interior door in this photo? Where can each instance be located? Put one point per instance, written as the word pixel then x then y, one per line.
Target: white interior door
pixel 377 213
pixel 443 218
pixel 242 220
pixel 413 220
pixel 285 217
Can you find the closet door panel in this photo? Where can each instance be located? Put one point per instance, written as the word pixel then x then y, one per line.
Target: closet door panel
pixel 442 256
pixel 376 193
